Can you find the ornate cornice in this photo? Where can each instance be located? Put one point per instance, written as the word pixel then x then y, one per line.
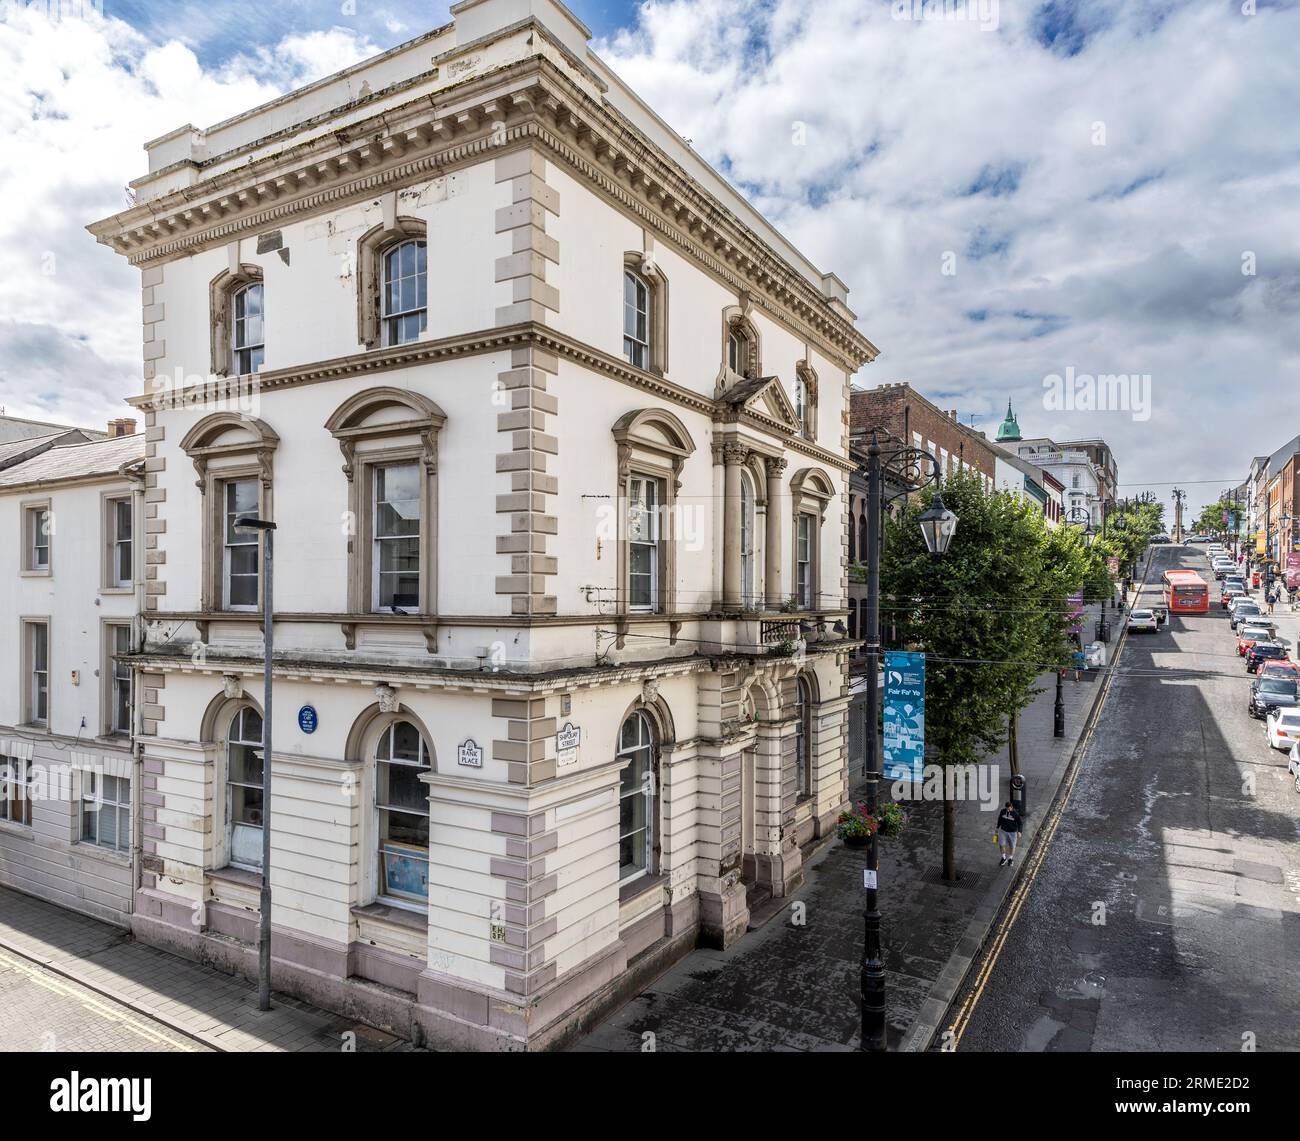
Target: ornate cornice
pixel 528 101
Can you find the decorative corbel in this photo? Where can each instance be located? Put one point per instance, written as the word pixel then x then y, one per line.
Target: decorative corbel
pixel 349 450
pixel 233 686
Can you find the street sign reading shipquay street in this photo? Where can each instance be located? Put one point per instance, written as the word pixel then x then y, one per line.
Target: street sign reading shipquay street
pixel 904 716
pixel 567 741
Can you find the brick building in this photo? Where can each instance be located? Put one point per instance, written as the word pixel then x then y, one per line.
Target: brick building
pixel 901 411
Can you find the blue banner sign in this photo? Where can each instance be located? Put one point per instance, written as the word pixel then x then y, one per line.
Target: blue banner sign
pixel 904 716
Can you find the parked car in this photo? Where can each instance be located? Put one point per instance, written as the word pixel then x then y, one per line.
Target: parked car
pixel 1293 764
pixel 1282 727
pixel 1279 667
pixel 1228 593
pixel 1142 621
pixel 1161 539
pixel 1262 652
pixel 1268 693
pixel 1243 612
pixel 1248 635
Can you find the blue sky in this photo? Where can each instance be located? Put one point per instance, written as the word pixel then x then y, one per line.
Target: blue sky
pixel 1036 186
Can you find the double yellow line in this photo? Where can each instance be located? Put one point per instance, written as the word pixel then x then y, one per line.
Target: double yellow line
pixel 1041 844
pixel 43 978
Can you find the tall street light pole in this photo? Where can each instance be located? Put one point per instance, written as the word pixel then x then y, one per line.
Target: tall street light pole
pixel 267 528
pixel 937 525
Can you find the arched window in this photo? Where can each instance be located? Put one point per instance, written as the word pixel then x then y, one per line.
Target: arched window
pixel 853 621
pixel 244 808
pixel 747 540
pixel 248 332
pixel 738 350
pixel 405 312
pixel 801 403
pixel 862 538
pixel 805 401
pixel 636 319
pixel 402 813
pixel 803 738
pixel 853 536
pixel 636 797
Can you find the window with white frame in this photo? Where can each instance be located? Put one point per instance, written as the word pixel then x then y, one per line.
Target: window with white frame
pixel 405 306
pixel 396 557
pixel 121 570
pixel 119 679
pixel 37 528
pixel 636 319
pixel 643 539
pixel 16 790
pixel 636 797
pixel 803 737
pixel 801 403
pixel 106 811
pixel 239 575
pixel 803 564
pixel 402 810
pixel 38 664
pixel 248 329
pixel 244 808
pixel 737 351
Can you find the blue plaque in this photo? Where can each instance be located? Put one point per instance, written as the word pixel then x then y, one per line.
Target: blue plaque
pixel 904 716
pixel 307 719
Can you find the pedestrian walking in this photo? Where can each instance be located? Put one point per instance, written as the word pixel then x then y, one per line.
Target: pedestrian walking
pixel 1271 598
pixel 1008 834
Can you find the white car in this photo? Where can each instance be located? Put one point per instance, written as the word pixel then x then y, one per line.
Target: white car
pixel 1293 765
pixel 1283 728
pixel 1142 621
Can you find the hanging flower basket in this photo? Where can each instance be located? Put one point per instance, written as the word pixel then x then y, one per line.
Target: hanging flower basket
pixel 856 826
pixel 892 820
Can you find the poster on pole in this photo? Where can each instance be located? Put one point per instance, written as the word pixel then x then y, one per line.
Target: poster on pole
pixel 904 716
pixel 1074 607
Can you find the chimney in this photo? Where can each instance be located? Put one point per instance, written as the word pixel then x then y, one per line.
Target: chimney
pixel 119 428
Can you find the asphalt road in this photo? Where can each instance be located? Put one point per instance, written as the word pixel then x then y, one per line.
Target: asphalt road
pixel 1165 914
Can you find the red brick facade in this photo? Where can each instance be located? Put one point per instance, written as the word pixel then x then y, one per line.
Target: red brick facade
pixel 904 413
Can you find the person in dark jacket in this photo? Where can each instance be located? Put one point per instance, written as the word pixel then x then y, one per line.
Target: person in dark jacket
pixel 1009 826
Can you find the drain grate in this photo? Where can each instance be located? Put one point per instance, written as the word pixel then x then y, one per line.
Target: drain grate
pixel 965 878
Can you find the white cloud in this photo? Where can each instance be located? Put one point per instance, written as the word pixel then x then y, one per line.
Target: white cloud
pixel 1123 258
pixel 78 99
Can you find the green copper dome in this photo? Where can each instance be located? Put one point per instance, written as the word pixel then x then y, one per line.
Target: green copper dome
pixel 1009 430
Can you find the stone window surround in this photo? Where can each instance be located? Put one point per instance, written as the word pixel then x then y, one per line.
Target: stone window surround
pixel 735 319
pixel 26 624
pixel 218 720
pixel 414 437
pixel 242 459
pixel 807 498
pixel 643 454
pixel 371 247
pixel 805 373
pixel 27 522
pixel 221 296
pixel 647 269
pixel 367 730
pixel 107 626
pixel 108 577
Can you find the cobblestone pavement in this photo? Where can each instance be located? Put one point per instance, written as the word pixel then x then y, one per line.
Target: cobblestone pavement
pixel 68 982
pixel 793 984
pixel 43 1011
pixel 1166 912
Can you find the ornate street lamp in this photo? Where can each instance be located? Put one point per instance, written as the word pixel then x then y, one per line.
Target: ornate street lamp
pixel 910 469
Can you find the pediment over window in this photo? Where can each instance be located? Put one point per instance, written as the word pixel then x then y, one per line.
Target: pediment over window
pixel 812 486
pixel 230 434
pixel 655 431
pixel 386 413
pixel 764 397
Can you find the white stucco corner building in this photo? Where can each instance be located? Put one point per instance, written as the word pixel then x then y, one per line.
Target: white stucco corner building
pixel 553 428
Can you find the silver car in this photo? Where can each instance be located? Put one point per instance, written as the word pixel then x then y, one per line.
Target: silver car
pixel 1142 622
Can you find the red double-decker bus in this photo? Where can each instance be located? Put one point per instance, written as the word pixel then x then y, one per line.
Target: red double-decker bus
pixel 1186 592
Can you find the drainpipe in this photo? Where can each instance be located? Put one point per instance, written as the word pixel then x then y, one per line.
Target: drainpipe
pixel 136 475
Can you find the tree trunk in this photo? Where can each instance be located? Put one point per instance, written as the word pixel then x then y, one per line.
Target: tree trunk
pixel 1013 743
pixel 949 832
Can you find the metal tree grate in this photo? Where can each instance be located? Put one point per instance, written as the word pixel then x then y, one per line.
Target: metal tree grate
pixel 965 878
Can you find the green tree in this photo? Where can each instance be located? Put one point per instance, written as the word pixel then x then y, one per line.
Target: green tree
pixel 989 615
